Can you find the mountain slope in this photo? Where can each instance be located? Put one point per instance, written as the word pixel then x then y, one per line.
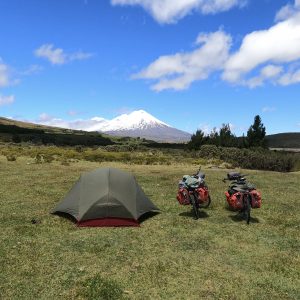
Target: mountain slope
pixel 160 134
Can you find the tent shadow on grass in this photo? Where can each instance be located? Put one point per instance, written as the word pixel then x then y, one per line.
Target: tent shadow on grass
pixel 65 216
pixel 142 219
pixel 190 214
pixel 147 216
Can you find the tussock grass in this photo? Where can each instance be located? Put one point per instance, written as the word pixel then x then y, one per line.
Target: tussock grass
pixel 171 256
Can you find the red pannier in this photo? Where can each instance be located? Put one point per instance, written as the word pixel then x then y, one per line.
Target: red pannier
pixel 202 194
pixel 182 196
pixel 235 200
pixel 255 199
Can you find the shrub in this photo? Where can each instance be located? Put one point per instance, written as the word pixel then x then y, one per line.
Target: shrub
pixel 11 157
pixel 48 159
pixel 16 138
pixel 65 162
pixel 209 151
pixel 255 158
pixel 39 159
pixel 79 149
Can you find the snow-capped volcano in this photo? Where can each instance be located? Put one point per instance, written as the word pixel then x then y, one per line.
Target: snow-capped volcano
pixel 135 124
pixel 138 119
pixel 141 124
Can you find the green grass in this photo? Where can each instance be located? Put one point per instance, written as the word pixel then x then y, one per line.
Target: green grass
pixel 171 256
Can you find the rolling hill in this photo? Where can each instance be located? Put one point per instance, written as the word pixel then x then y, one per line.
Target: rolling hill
pixel 18 131
pixel 284 140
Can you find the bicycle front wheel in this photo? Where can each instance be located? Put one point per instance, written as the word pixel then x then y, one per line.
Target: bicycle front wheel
pixel 195 207
pixel 247 208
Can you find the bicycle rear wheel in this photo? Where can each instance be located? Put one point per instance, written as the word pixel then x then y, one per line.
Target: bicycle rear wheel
pixel 205 204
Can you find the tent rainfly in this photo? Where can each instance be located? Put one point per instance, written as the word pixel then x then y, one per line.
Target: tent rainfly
pixel 106 197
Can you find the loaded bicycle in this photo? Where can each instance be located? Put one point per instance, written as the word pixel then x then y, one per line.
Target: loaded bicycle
pixel 242 195
pixel 192 190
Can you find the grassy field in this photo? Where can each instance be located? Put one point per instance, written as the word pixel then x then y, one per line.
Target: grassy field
pixel 171 256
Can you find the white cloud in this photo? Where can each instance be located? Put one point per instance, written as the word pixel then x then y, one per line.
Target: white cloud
pixel 79 56
pixel 206 128
pixel 8 75
pixel 169 11
pixel 79 124
pixel 267 109
pixel 267 73
pixel 269 55
pixel 278 44
pixel 178 71
pixel 57 56
pixel 31 70
pixel 288 11
pixel 290 77
pixel 45 117
pixel 6 78
pixel 271 71
pixel 7 100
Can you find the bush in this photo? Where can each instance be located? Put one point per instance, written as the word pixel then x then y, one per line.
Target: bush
pixel 11 157
pixel 48 158
pixel 16 138
pixel 43 158
pixel 65 162
pixel 79 149
pixel 255 158
pixel 39 159
pixel 209 151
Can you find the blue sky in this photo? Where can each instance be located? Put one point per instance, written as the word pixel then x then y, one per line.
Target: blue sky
pixel 191 63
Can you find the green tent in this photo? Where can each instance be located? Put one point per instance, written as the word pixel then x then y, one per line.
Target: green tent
pixel 106 197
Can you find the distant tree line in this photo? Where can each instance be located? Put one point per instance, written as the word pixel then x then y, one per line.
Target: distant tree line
pixel 18 134
pixel 13 129
pixel 225 138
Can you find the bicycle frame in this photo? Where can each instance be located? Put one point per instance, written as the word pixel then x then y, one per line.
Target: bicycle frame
pixel 239 195
pixel 194 194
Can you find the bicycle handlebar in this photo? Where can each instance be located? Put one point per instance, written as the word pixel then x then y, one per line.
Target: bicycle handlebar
pixel 242 176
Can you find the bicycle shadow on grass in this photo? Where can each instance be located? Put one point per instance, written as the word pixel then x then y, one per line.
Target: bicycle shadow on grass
pixel 190 214
pixel 239 218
